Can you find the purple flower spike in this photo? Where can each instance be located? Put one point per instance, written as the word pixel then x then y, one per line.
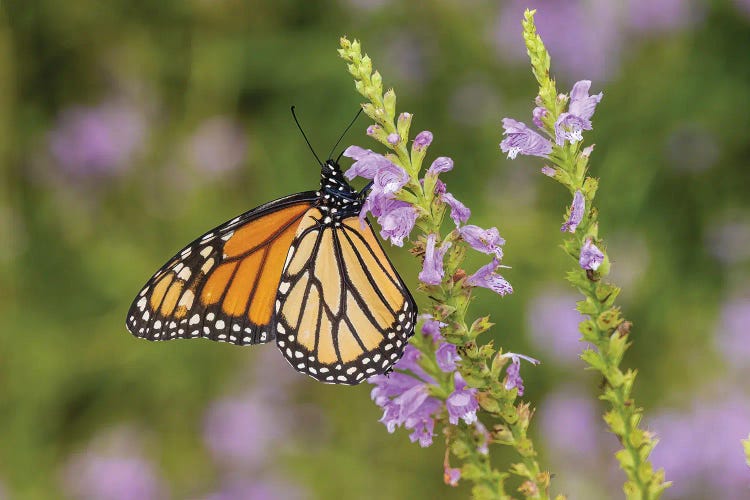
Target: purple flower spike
pixel 398 223
pixel 432 270
pixel 513 372
pixel 487 278
pixel 462 403
pixel 393 139
pixel 581 103
pixel 521 139
pixel 431 327
pixel 422 140
pixel 459 212
pixel 446 357
pixel 440 165
pixel 591 257
pixel 576 213
pixel 366 163
pixel 538 113
pixel 451 476
pixel 483 240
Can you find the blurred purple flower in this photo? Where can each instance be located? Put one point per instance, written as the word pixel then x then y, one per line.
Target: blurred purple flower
pixel 116 471
pixel 646 16
pixel 594 51
pixel 98 140
pixel 232 439
pixel 486 241
pixel 521 139
pixel 591 257
pixel 575 217
pixel 459 212
pixel 432 268
pixel 553 324
pixel 702 464
pixel 462 403
pixel 253 489
pixel 513 378
pixel 571 426
pixel 446 357
pixel 422 140
pixel 451 476
pixel 732 330
pixel 743 6
pixel 218 145
pixel 393 139
pixel 487 278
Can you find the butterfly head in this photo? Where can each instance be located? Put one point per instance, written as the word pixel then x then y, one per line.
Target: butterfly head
pixel 336 193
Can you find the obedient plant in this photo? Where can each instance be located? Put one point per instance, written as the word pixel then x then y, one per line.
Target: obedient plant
pixel 446 379
pixel 561 121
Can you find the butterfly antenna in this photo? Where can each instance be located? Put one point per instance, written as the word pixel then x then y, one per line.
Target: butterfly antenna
pixel 306 140
pixel 342 135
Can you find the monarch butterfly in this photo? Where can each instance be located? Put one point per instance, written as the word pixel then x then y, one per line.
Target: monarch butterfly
pixel 302 270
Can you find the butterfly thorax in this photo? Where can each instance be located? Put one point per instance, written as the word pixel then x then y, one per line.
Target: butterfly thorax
pixel 338 200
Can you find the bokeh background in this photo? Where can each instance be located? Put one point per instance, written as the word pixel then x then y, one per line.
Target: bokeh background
pixel 128 127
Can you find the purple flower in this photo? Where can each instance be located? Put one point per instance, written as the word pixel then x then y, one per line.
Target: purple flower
pixel 487 278
pixel 513 372
pixel 576 213
pixel 422 422
pixel 483 240
pixel 432 268
pixel 446 357
pixel 97 141
pixel 112 468
pixel 581 103
pixel 459 212
pixel 232 440
pixel 484 438
pixel 410 362
pixel 218 146
pixel 374 130
pixel 422 140
pixel 553 325
pixel 393 138
pixel 720 464
pixel 366 163
pixel 451 476
pixel 462 403
pixel 388 180
pixel 591 257
pixel 441 165
pixel 538 113
pixel 397 223
pixel 406 402
pixel 431 327
pixel 548 171
pixel 731 331
pixel 521 139
pixel 570 127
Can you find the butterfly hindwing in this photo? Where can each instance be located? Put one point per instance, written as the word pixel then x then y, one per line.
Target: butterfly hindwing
pixel 343 313
pixel 223 285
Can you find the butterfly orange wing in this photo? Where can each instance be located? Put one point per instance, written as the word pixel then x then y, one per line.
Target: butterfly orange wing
pixel 223 285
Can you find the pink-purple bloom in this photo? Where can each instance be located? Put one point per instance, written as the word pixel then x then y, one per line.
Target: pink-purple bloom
pixel 398 222
pixel 366 162
pixel 431 327
pixel 570 125
pixel 486 241
pixel 447 356
pixel 486 277
pixel 462 404
pixel 451 476
pixel 393 139
pixel 459 212
pixel 521 139
pixel 537 115
pixel 576 213
pixel 432 268
pixel 513 378
pixel 441 165
pixel 591 257
pixel 422 140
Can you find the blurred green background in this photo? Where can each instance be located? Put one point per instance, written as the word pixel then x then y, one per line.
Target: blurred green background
pixel 128 127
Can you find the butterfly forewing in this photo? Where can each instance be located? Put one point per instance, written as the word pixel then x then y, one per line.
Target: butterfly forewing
pixel 343 313
pixel 223 285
